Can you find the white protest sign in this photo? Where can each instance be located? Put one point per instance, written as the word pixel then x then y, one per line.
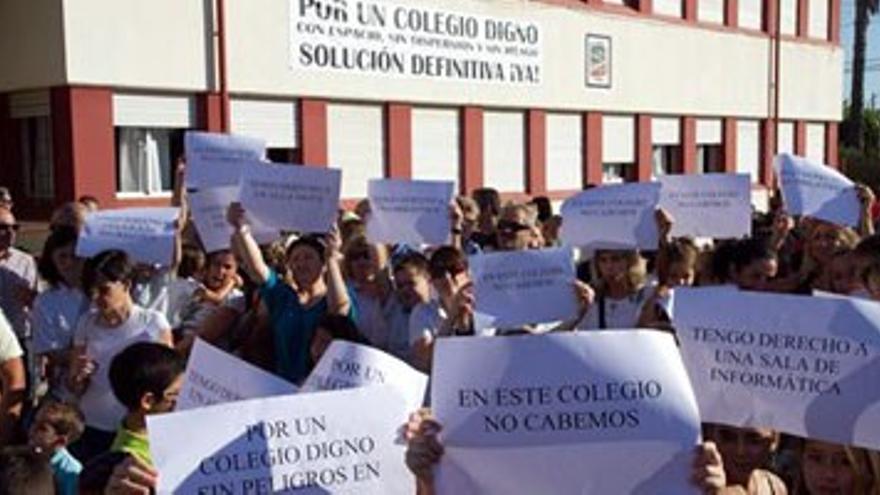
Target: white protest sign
pixel 350 365
pixel 344 441
pixel 209 207
pixel 802 365
pixel 410 212
pixel 147 234
pixel 563 413
pixel 291 197
pixel 216 160
pixel 817 191
pixel 612 217
pixel 521 287
pixel 215 377
pixel 708 205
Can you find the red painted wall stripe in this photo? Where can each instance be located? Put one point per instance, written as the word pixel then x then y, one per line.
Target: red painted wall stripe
pixel 768 152
pixel 592 148
pixel 313 132
pixel 398 133
pixel 803 18
pixel 690 10
pixel 536 147
pixel 471 149
pixel 832 150
pixel 731 13
pixel 209 112
pixel 800 138
pixel 834 21
pixel 688 145
pixel 770 17
pixel 729 146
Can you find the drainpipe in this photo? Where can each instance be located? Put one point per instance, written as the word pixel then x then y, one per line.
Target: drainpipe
pixel 220 33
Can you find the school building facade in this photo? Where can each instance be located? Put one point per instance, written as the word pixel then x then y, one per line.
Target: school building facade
pixel 530 97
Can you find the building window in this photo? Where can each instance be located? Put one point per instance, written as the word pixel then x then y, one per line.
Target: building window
pixel 710 159
pixel 615 173
pixel 145 159
pixel 284 155
pixel 666 160
pixel 36 157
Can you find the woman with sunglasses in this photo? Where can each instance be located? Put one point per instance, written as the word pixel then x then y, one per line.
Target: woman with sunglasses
pixel 365 267
pixel 316 287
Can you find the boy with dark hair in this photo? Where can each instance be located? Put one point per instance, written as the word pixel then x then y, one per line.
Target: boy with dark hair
pixel 146 378
pixel 25 471
pixel 57 425
pixel 412 287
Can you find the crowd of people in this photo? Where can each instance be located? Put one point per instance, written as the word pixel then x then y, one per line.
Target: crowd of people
pixel 72 423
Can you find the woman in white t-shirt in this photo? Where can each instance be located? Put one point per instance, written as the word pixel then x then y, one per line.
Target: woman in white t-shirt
pixel 12 381
pixel 114 324
pixel 57 310
pixel 621 291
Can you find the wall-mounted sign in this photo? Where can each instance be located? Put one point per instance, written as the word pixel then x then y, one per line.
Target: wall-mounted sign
pixel 598 61
pixel 379 37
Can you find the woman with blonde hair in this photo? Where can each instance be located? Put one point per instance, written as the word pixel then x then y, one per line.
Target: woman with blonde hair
pixel 828 468
pixel 365 267
pixel 621 290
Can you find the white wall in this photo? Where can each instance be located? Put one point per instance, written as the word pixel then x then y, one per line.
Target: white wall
pixel 356 144
pixel 504 151
pixel 436 144
pixel 565 153
pixel 31 44
pixel 810 74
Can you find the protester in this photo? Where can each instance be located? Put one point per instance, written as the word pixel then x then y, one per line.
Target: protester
pixel 316 288
pixel 91 203
pixel 70 215
pixel 747 454
pixel 489 203
pixel 18 277
pixel 146 378
pixel 6 202
pixel 56 426
pixel 57 310
pixel 367 276
pixel 13 385
pixel 412 287
pixel 25 471
pixel 828 468
pixel 115 323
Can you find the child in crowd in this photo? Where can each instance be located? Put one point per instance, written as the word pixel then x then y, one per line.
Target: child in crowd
pixel 828 468
pixel 57 425
pixel 25 471
pixel 146 378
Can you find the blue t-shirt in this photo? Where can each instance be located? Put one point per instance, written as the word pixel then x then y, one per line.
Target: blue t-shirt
pixel 66 469
pixel 292 326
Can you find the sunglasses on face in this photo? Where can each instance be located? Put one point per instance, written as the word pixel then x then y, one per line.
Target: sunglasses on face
pixel 510 227
pixel 9 227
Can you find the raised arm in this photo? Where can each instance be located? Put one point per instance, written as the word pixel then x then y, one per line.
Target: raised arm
pixel 246 246
pixel 338 301
pixel 180 200
pixel 866 200
pixel 12 395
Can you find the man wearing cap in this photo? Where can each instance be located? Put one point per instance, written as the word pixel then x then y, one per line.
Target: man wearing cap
pixel 18 276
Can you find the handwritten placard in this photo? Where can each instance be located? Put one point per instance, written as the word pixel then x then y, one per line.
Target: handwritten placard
pixel 612 217
pixel 146 234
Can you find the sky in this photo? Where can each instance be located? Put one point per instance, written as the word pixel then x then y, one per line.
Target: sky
pixel 847 31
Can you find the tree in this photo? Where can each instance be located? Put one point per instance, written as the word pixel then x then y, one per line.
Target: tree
pixel 854 133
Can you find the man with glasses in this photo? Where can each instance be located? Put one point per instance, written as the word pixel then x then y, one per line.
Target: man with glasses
pixel 18 277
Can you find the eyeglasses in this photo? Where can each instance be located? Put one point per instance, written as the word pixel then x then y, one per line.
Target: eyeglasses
pixel 9 227
pixel 510 227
